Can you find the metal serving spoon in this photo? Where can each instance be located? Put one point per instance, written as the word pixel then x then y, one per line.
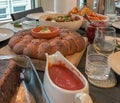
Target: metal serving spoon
pixel 86 17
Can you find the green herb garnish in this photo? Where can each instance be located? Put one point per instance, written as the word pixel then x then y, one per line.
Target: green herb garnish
pixel 65 18
pixel 44 29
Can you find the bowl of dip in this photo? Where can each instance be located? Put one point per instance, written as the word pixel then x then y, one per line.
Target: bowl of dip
pixel 45 31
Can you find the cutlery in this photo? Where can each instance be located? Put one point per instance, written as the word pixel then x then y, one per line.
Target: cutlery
pixel 86 17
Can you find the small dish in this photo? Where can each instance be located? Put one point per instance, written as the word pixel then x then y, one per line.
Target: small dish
pixel 45 31
pixel 116 24
pixel 5 34
pixel 113 61
pixel 17 24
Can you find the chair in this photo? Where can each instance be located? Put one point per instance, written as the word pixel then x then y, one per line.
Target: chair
pixel 16 16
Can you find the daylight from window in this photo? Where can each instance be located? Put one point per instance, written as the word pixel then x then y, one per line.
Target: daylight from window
pixel 11 6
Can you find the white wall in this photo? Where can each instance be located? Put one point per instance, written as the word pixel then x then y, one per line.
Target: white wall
pixel 48 5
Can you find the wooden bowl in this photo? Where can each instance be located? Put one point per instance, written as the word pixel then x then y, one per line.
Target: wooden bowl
pixel 45 32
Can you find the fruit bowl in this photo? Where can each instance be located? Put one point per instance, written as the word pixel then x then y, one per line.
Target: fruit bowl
pixel 106 19
pixel 45 31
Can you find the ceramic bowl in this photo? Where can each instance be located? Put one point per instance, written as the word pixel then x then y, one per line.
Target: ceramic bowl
pixel 45 31
pixel 84 24
pixel 74 25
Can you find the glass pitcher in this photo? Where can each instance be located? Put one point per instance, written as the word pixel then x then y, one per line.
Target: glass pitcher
pixel 105 6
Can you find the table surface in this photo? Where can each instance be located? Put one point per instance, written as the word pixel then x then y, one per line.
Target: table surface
pixel 98 95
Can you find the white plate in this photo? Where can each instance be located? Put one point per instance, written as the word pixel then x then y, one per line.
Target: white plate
pixel 116 24
pixel 5 34
pixel 114 62
pixel 37 15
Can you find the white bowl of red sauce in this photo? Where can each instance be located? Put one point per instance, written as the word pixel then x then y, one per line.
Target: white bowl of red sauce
pixel 63 82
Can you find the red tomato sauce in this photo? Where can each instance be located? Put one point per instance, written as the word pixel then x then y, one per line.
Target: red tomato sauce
pixel 64 78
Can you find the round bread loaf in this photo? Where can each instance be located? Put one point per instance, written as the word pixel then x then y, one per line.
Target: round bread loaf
pixel 68 43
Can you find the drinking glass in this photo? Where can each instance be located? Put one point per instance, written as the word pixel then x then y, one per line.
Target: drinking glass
pixel 29 23
pixel 91 28
pixel 111 11
pixel 105 40
pixel 112 16
pixel 97 67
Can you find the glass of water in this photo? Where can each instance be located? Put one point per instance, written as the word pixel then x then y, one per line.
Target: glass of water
pixel 29 23
pixel 97 67
pixel 105 40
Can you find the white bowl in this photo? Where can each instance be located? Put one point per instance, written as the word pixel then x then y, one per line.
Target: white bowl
pixel 84 24
pixel 74 25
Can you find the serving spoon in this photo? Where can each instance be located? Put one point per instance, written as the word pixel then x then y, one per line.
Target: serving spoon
pixel 91 23
pixel 86 17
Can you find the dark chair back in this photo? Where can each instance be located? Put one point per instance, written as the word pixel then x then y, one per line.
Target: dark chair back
pixel 16 16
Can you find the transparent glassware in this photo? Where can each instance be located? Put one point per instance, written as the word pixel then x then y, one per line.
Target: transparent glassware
pixel 105 40
pixel 28 23
pixel 30 78
pixel 97 67
pixel 111 11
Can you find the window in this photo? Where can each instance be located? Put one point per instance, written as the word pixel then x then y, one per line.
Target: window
pixel 117 3
pixel 2 13
pixel 11 6
pixel 19 8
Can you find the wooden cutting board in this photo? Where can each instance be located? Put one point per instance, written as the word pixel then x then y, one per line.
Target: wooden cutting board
pixel 40 65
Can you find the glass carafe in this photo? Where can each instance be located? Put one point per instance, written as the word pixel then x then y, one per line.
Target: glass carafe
pixel 111 12
pixel 104 6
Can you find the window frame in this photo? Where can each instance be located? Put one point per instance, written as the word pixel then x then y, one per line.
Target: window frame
pixel 10 4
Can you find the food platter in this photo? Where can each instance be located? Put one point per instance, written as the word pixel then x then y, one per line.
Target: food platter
pixel 5 34
pixel 37 15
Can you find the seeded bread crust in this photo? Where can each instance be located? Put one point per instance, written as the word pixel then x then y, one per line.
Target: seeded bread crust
pixel 68 43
